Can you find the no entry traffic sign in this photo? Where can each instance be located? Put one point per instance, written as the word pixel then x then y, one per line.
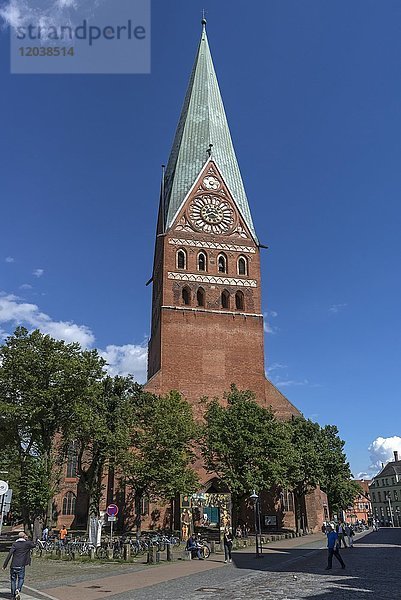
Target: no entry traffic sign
pixel 112 510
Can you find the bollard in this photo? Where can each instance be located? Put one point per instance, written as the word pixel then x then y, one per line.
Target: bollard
pixel 151 556
pixel 110 553
pixel 212 547
pixel 127 552
pixel 157 555
pixel 92 554
pixel 169 553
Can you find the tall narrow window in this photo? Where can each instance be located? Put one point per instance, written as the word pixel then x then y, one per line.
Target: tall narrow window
pixel 225 299
pixel 202 261
pixel 186 296
pixel 69 501
pixel 72 459
pixel 242 266
pixel 200 297
pixel 144 505
pixel 239 301
pixel 222 263
pixel 181 259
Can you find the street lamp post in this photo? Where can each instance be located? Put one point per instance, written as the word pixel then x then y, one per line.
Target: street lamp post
pixel 390 510
pixel 256 509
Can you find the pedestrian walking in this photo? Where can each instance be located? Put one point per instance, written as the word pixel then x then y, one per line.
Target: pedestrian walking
pixel 228 544
pixel 45 534
pixel 20 555
pixel 341 534
pixel 349 532
pixel 332 547
pixel 63 534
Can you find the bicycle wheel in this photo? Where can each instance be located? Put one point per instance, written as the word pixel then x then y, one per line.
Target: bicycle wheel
pixel 101 552
pixel 206 551
pixel 37 551
pixel 175 542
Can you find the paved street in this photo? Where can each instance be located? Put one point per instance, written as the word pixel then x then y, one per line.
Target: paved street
pixel 290 570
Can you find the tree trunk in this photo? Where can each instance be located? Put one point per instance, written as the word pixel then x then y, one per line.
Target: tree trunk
pixel 138 516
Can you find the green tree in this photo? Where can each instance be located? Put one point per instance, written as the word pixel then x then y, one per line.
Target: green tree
pixel 305 466
pixel 318 459
pixel 245 445
pixel 159 466
pixel 40 380
pixel 336 479
pixel 101 428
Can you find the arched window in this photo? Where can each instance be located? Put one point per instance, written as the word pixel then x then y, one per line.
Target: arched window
pixel 225 299
pixel 69 501
pixel 202 263
pixel 222 263
pixel 72 459
pixel 239 301
pixel 181 259
pixel 186 296
pixel 200 297
pixel 242 266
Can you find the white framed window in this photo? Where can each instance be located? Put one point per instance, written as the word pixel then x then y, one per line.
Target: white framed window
pixel 202 261
pixel 242 265
pixel 181 259
pixel 222 263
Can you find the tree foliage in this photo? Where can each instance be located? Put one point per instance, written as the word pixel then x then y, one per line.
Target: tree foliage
pixel 159 466
pixel 101 429
pixel 40 379
pixel 244 444
pixel 318 458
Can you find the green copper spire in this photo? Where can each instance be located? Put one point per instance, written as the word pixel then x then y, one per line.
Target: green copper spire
pixel 202 132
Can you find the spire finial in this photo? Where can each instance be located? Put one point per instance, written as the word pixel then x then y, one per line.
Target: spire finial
pixel 203 18
pixel 209 150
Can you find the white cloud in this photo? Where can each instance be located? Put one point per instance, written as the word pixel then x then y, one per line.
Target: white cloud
pixel 9 259
pixel 275 366
pixel 46 13
pixel 336 308
pixel 14 310
pixel 25 286
pixel 290 382
pixel 11 13
pixel 66 3
pixel 38 272
pixel 381 450
pixel 267 326
pixel 129 359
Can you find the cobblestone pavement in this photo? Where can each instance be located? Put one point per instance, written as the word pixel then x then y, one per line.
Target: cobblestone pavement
pixel 372 571
pixel 286 572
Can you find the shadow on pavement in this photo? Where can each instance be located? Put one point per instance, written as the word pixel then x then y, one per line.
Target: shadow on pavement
pixel 372 566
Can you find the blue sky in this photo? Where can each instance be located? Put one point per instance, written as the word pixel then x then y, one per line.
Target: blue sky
pixel 312 93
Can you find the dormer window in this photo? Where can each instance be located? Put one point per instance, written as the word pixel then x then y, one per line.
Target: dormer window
pixel 222 263
pixel 202 262
pixel 181 259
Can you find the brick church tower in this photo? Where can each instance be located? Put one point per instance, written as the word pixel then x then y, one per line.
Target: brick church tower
pixel 207 323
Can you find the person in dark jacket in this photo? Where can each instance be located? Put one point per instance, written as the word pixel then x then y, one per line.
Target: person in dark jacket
pixel 20 553
pixel 228 544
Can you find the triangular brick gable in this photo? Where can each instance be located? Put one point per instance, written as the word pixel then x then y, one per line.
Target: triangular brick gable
pixel 210 186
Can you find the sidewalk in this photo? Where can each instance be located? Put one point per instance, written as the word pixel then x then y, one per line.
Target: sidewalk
pixel 143 576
